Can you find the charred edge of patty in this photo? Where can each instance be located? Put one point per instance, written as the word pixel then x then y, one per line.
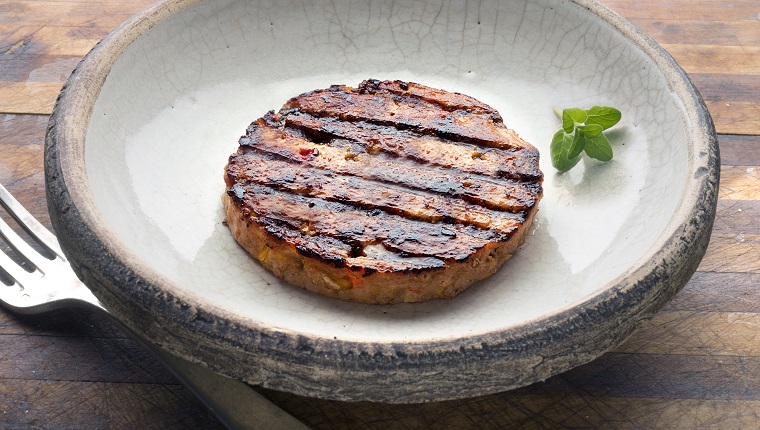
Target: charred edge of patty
pixel 359 284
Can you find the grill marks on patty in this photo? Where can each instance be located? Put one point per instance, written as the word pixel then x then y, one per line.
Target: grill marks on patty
pixel 467 158
pixel 389 176
pixel 376 105
pixel 388 167
pixel 356 228
pixel 262 169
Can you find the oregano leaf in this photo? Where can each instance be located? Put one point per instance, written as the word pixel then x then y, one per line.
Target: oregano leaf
pixel 572 116
pixel 560 148
pixel 599 148
pixel 579 142
pixel 604 116
pixel 590 130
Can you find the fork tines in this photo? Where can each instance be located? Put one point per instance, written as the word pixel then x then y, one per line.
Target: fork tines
pixel 21 257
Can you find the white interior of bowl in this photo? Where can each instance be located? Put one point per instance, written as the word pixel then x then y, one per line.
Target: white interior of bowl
pixel 175 103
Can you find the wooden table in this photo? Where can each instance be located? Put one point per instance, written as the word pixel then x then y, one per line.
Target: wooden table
pixel 695 365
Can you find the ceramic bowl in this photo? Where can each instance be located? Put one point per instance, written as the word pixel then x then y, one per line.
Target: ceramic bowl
pixel 143 128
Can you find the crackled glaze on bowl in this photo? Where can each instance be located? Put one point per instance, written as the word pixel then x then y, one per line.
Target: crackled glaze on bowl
pixel 135 177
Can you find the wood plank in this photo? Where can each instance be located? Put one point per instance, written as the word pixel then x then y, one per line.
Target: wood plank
pixel 31 98
pixel 74 369
pixel 736 117
pixel 727 88
pixel 49 40
pixel 21 161
pixel 69 13
pixel 739 183
pixel 566 411
pixel 744 60
pixel 732 253
pixel 737 217
pixel 673 29
pixel 719 292
pixel 14 37
pixel 60 323
pixel 80 359
pixel 552 406
pixel 37 68
pixel 739 150
pixel 668 376
pixel 90 405
pixel 698 333
pixel 733 100
pixel 708 11
pixel 87 347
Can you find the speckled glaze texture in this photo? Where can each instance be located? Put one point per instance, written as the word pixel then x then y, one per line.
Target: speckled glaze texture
pixel 140 134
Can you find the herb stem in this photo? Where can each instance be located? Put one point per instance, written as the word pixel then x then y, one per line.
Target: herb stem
pixel 557 111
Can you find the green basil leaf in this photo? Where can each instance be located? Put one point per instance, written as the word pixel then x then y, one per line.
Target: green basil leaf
pixel 599 147
pixel 590 130
pixel 560 148
pixel 572 116
pixel 579 142
pixel 604 116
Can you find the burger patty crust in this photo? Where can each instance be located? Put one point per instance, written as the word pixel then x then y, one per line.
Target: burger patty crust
pixel 388 192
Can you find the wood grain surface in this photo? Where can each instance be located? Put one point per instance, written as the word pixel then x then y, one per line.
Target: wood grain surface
pixel 695 365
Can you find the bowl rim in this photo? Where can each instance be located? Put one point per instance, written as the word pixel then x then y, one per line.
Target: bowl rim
pixel 547 345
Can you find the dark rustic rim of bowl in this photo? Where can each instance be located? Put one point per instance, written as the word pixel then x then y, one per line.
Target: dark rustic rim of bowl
pixel 402 372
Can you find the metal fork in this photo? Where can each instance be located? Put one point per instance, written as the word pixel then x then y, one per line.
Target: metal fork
pixel 41 281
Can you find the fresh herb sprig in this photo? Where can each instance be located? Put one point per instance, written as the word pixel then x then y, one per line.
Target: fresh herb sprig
pixel 582 130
